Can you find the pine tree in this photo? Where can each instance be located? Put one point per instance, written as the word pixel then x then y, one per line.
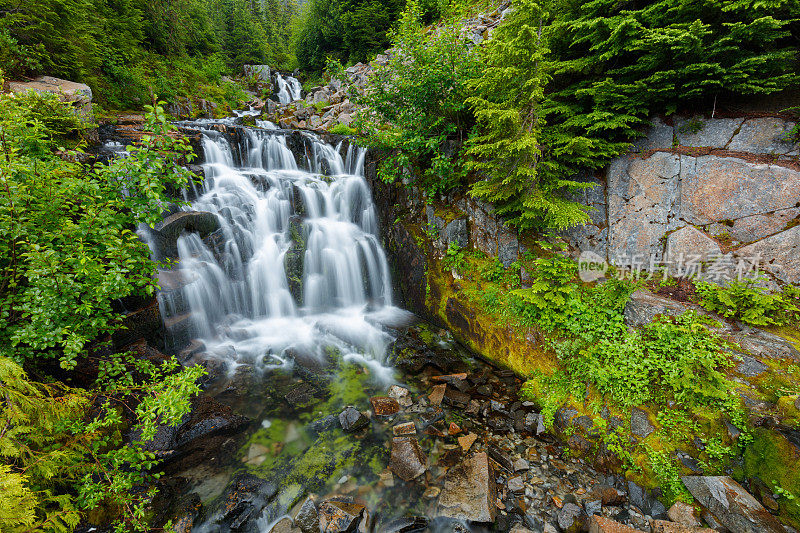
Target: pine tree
pixel 508 147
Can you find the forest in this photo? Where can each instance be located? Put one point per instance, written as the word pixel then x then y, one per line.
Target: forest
pixel 523 120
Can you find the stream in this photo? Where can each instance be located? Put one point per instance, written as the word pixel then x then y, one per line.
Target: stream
pixel 321 387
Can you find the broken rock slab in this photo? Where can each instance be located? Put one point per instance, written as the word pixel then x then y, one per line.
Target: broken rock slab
pixel 469 491
pixel 733 506
pixel 407 461
pixel 340 515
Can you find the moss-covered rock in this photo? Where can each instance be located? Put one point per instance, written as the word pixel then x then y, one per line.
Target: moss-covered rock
pixel 773 459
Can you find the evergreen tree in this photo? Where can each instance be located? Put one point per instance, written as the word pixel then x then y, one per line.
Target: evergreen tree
pixel 506 103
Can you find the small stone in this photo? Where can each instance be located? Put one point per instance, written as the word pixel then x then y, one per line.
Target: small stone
pixel 453 429
pixel 558 502
pixel 467 441
pixel 572 518
pixel 600 524
pixel 683 513
pixel 473 408
pixel 384 406
pixel 387 478
pixel 431 493
pixel 662 526
pixel 401 430
pixel 640 423
pixel 437 395
pixel 521 465
pixel 352 419
pixel 593 506
pixel 515 484
pixel 407 461
pixel 400 394
pixel 450 377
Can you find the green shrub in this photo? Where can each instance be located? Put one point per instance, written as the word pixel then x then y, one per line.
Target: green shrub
pixel 750 301
pixel 415 105
pixel 343 129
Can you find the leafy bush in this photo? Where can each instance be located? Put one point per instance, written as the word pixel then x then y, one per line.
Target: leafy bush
pixel 62 450
pixel 750 301
pixel 68 246
pixel 415 105
pixel 343 129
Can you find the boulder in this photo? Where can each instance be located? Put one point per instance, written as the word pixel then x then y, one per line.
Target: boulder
pixel 262 73
pixel 407 461
pixel 191 221
pixel 469 491
pixel 352 419
pixel 77 94
pixel 733 506
pixel 640 423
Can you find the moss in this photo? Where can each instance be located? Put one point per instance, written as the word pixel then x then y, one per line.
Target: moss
pixel 773 459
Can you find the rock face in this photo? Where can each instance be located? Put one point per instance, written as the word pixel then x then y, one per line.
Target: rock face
pixel 733 506
pixel 734 178
pixel 340 515
pixel 77 94
pixel 469 491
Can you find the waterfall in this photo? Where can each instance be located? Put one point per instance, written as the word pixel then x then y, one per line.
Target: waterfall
pixel 296 266
pixel 289 89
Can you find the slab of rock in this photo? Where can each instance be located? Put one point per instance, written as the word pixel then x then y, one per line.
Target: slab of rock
pixel 78 94
pixel 469 491
pixel 662 526
pixel 340 515
pixel 606 525
pixel 767 135
pixel 683 513
pixel 352 419
pixel 640 423
pixel 733 506
pixel 572 518
pixel 307 518
pixel 467 441
pixel 778 254
pixel 437 394
pixel 643 306
pixel 407 461
pixel 689 243
pixel 400 430
pixel 384 406
pixel 713 132
pixel 200 222
pixel 400 394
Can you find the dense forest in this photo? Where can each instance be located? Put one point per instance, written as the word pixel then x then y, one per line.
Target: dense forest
pixel 126 50
pixel 516 119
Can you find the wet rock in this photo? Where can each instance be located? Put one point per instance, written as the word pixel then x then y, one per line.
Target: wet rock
pixel 198 222
pixel 593 506
pixel 683 513
pixel 572 518
pixel 284 525
pixel 188 511
pixel 352 419
pixel 407 461
pixel 340 515
pixel 467 441
pixel 515 484
pixel 307 518
pixel 609 495
pixel 733 506
pixel 521 465
pixel 401 430
pixel 501 458
pixel 400 394
pixel 384 406
pixel 208 417
pixel 469 491
pixel 662 526
pixel 246 497
pixel 409 524
pixel 750 366
pixel 437 394
pixel 600 524
pixel 457 232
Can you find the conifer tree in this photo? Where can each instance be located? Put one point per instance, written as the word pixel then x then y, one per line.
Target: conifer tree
pixel 508 148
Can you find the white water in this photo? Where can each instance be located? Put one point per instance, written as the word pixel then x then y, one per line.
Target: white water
pixel 240 299
pixel 289 89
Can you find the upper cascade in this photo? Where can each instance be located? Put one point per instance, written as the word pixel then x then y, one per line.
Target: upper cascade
pixel 296 266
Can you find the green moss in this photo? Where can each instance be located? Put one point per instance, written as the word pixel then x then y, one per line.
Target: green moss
pixel 774 460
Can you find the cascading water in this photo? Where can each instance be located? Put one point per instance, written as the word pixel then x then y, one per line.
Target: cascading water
pixel 296 268
pixel 289 89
